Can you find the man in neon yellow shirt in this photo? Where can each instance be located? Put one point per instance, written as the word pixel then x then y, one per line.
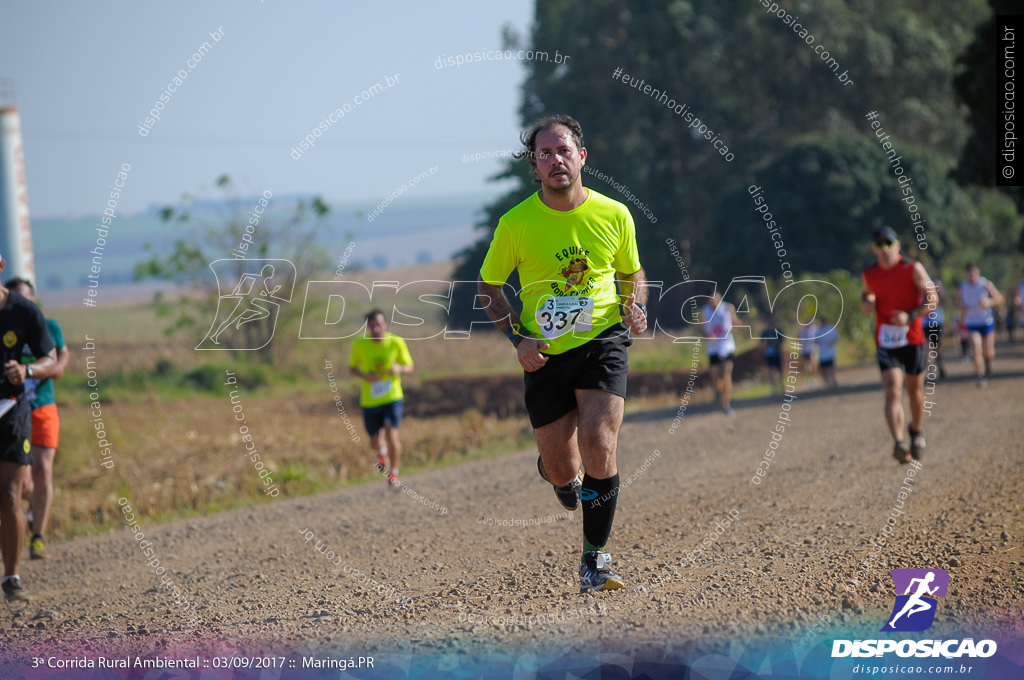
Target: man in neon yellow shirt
pixel 571 246
pixel 378 361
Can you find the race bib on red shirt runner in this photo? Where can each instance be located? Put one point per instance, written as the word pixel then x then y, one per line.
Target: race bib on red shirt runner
pixel 892 337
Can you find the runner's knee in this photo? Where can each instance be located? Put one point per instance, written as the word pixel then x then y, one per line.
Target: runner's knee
pixel 599 444
pixel 10 496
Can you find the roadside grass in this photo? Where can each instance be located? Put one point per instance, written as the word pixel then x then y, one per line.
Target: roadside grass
pixel 186 458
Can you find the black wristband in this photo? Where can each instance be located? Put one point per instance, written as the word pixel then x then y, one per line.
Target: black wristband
pixel 643 308
pixel 513 335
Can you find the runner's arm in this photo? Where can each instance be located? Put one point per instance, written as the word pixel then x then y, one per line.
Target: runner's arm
pixel 925 287
pixel 500 311
pixel 403 363
pixel 633 284
pixel 634 288
pixel 63 359
pixel 867 298
pixel 994 294
pixel 41 345
pixel 43 367
pixel 358 372
pixel 732 312
pixel 504 317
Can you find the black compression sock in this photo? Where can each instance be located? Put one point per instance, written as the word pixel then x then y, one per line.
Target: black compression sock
pixel 599 511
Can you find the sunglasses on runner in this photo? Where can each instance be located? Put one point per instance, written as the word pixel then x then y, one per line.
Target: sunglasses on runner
pixel 885 243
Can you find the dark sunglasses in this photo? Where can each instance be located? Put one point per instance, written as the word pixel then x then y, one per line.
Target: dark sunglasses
pixel 885 243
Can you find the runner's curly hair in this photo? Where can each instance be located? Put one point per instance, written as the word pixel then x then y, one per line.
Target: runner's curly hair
pixel 529 138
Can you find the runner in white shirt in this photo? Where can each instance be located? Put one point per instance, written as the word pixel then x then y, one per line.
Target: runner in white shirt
pixel 827 352
pixel 718 318
pixel 808 347
pixel 976 299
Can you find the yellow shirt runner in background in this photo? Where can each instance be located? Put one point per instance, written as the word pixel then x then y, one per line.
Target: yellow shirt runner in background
pixel 379 357
pixel 567 262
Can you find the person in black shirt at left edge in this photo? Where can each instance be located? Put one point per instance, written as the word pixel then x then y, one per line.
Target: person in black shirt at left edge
pixel 21 323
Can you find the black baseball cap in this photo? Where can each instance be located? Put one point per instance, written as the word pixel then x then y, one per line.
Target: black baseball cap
pixel 885 234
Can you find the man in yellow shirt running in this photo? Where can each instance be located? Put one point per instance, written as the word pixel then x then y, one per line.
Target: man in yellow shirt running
pixel 571 246
pixel 378 361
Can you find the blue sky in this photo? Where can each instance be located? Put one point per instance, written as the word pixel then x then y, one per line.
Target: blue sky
pixel 86 75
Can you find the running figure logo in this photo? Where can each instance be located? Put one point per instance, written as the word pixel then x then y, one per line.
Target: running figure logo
pixel 252 305
pixel 914 610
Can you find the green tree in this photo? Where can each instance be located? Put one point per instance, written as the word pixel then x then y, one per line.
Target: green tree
pixel 762 89
pixel 828 193
pixel 214 229
pixel 975 86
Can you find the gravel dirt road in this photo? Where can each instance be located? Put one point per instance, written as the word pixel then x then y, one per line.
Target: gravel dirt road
pixel 464 556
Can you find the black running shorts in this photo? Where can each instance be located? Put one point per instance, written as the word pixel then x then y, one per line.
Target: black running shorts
pixel 374 417
pixel 15 431
pixel 714 359
pixel 909 358
pixel 600 364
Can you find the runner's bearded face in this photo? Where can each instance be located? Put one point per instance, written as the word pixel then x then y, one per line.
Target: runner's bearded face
pixel 558 162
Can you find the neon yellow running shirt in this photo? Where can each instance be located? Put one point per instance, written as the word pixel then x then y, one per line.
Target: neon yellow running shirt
pixel 567 262
pixel 379 357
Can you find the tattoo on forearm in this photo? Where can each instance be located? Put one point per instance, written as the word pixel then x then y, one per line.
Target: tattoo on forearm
pixel 498 309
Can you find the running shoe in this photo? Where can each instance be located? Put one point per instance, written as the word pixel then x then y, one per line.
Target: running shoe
pixel 37 550
pixel 595 574
pixel 14 592
pixel 728 410
pixel 901 453
pixel 393 481
pixel 982 382
pixel 568 495
pixel 382 458
pixel 917 446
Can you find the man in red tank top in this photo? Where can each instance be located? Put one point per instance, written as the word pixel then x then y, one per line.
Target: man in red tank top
pixel 899 291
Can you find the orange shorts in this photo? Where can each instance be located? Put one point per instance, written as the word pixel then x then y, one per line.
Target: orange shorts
pixel 45 426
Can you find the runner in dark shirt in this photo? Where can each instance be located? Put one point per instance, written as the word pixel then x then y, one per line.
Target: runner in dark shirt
pixel 21 323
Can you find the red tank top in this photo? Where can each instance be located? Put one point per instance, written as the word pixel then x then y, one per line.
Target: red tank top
pixel 895 291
